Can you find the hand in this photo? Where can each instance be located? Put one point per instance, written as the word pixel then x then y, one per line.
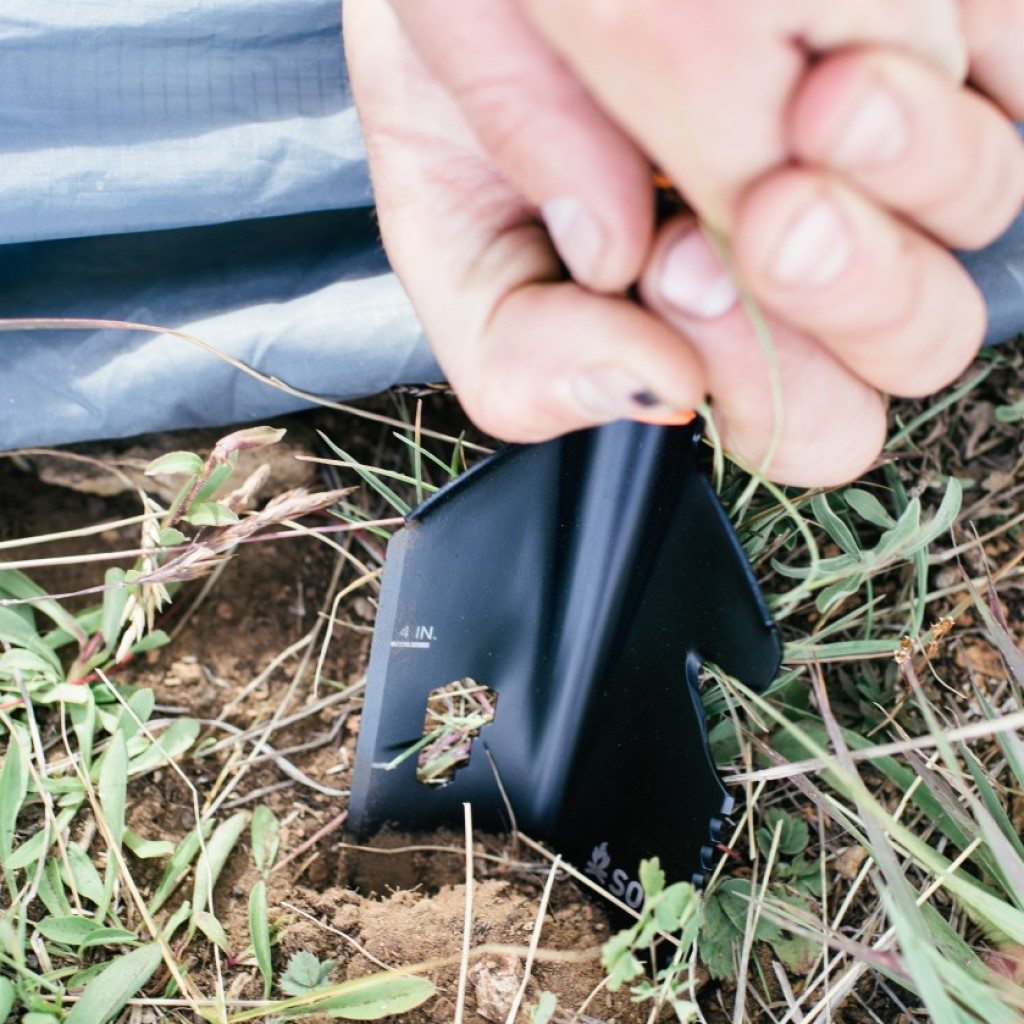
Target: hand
pixel 721 97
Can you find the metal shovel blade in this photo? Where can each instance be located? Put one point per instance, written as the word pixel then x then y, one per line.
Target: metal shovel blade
pixel 584 580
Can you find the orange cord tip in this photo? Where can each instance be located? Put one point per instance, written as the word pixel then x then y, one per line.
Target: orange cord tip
pixel 669 419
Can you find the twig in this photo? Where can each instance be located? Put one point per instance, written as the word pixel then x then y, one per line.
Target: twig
pixel 335 823
pixel 467 921
pixel 538 927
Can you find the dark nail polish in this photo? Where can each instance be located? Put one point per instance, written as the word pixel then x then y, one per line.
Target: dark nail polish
pixel 646 399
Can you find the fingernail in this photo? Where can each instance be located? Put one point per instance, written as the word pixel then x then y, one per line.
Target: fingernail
pixel 875 133
pixel 693 279
pixel 605 393
pixel 815 249
pixel 576 235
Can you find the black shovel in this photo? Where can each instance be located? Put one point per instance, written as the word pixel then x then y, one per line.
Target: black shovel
pixel 584 581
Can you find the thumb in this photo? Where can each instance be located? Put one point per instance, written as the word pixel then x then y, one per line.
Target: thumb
pixel 531 356
pixel 543 131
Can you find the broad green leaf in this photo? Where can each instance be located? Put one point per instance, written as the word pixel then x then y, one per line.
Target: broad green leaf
pixel 211 928
pixel 39 843
pixel 110 937
pixel 113 786
pixel 213 858
pixel 17 585
pixel 305 973
pixel 171 538
pixel 150 642
pixel 652 878
pixel 14 630
pixel 210 513
pixel 106 995
pixel 176 464
pixel 178 865
pixel 83 722
pixel 544 1009
pixel 259 933
pixel 868 507
pixel 174 741
pixel 71 931
pixel 51 891
pixel 147 849
pixel 7 997
pixel 177 919
pixel 266 838
pixel 84 876
pixel 834 526
pixel 115 598
pixel 13 790
pixel 370 997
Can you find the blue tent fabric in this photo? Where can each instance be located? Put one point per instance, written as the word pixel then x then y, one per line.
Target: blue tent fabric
pixel 197 166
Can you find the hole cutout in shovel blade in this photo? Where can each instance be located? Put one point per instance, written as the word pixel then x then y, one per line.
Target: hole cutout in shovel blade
pixel 455 715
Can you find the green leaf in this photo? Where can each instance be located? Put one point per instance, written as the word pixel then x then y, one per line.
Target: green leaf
pixel 7 997
pixel 84 877
pixel 370 997
pixel 212 860
pixel 106 995
pixel 113 786
pixel 834 526
pixel 109 937
pixel 304 973
pixel 115 599
pixel 13 790
pixel 259 933
pixel 17 585
pixel 71 931
pixel 147 849
pixel 176 464
pixel 266 838
pixel 652 878
pixel 794 834
pixel 210 513
pixel 868 507
pixel 39 843
pixel 176 920
pixel 371 478
pixel 178 865
pixel 171 538
pixel 544 1009
pixel 211 928
pixel 174 741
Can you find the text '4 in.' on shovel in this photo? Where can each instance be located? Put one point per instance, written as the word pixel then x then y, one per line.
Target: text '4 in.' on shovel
pixel 565 594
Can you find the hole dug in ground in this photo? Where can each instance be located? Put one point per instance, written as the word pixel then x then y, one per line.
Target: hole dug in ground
pixel 454 716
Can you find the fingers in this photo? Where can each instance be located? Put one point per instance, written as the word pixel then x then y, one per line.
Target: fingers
pixel 904 135
pixel 711 113
pixel 894 307
pixel 995 39
pixel 555 358
pixel 832 425
pixel 544 132
pixel 531 356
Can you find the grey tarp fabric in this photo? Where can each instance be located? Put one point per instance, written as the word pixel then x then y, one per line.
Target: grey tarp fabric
pixel 196 165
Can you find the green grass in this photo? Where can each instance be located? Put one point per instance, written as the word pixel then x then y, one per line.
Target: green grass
pixel 875 868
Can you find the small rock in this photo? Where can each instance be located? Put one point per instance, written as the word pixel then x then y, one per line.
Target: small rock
pixel 495 983
pixel 225 611
pixel 848 861
pixel 188 672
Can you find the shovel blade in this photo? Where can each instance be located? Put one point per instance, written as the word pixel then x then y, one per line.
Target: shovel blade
pixel 584 580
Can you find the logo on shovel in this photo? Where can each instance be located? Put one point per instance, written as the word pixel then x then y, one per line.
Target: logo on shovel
pixel 600 861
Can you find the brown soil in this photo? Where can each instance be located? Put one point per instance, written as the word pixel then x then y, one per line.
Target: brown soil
pixel 362 906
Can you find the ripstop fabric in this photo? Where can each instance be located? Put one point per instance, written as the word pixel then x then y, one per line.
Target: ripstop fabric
pixel 194 165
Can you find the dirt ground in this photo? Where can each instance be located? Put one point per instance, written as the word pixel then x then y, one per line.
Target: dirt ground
pixel 360 908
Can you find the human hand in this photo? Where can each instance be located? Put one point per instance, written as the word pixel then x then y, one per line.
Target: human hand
pixel 886 307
